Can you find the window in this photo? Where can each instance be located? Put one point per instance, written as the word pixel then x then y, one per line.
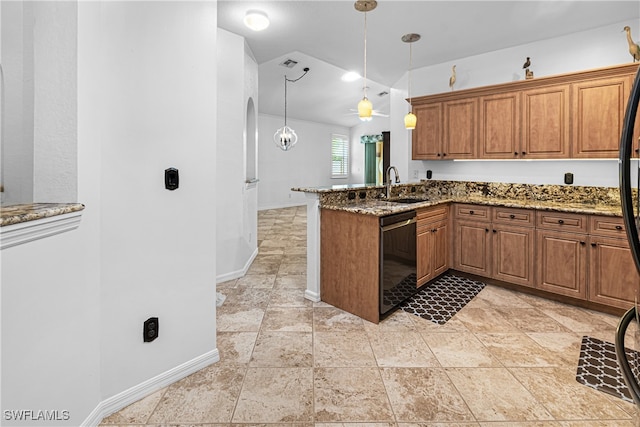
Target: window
pixel 339 156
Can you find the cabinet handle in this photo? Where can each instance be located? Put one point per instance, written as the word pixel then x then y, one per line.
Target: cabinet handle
pixel 618 227
pixel 560 221
pixel 636 150
pixel 515 153
pixel 438 154
pixel 524 153
pixel 594 245
pixel 444 154
pixel 470 212
pixel 486 230
pixel 494 231
pixel 512 216
pixel 582 243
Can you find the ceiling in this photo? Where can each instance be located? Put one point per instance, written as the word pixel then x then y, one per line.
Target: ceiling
pixel 328 37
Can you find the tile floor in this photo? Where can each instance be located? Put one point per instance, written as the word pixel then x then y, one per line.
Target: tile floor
pixel 506 359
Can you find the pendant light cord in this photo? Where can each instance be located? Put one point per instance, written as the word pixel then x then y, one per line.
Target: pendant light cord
pixel 410 67
pixel 306 70
pixel 365 55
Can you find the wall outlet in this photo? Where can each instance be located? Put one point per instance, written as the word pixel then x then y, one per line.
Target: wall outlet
pixel 150 329
pixel 415 174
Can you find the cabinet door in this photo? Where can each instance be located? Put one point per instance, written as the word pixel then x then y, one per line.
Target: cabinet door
pixel 513 254
pixel 598 107
pixel 424 241
pixel 427 136
pixel 545 123
pixel 613 278
pixel 500 126
pixel 472 251
pixel 562 263
pixel 440 248
pixel 460 129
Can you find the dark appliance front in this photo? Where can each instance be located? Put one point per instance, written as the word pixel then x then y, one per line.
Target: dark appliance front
pixel 397 259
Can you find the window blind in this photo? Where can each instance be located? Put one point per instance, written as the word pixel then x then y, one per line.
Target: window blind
pixel 339 156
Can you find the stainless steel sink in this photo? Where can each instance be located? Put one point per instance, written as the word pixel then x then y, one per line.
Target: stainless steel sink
pixel 406 200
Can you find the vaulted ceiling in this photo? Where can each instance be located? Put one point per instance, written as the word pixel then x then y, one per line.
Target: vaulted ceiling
pixel 328 37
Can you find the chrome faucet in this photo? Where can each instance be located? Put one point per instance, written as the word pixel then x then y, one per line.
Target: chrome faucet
pixel 388 182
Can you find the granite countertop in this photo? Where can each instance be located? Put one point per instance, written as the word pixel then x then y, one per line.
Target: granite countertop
pixel 16 214
pixel 385 207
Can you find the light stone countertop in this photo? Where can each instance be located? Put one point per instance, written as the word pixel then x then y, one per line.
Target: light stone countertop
pixel 16 214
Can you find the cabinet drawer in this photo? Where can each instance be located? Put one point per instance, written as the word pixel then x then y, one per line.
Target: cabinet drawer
pixel 514 216
pixel 435 213
pixel 607 226
pixel 472 212
pixel 561 221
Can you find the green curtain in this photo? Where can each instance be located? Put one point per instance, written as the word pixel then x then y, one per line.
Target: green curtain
pixel 370 163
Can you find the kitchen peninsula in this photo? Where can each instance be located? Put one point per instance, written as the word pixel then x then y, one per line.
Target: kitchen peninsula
pixel 561 242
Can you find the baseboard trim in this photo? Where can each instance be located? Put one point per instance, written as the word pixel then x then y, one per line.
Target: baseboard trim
pixel 281 205
pixel 238 273
pixel 313 296
pixel 137 392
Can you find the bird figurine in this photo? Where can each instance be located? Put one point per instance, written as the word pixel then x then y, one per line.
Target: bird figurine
pixel 634 49
pixel 452 79
pixel 528 74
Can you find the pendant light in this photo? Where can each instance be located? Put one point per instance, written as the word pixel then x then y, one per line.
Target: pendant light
pixel 285 137
pixel 410 119
pixel 365 107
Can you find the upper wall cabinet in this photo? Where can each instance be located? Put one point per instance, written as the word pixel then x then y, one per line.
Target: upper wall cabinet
pixel 500 126
pixel 577 115
pixel 598 108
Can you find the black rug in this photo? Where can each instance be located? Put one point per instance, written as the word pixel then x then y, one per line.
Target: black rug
pixel 598 367
pixel 442 299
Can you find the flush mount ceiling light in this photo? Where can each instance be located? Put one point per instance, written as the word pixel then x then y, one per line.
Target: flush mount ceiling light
pixel 350 76
pixel 365 107
pixel 256 20
pixel 285 137
pixel 410 119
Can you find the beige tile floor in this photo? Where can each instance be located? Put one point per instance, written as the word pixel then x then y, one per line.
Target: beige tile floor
pixel 506 359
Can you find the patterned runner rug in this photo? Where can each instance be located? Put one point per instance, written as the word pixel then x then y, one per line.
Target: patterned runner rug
pixel 442 299
pixel 598 367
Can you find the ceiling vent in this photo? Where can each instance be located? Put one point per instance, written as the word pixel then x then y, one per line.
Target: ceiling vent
pixel 289 63
pixel 383 93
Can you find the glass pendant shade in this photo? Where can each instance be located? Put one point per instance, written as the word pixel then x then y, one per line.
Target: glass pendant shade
pixel 410 121
pixel 285 138
pixel 365 109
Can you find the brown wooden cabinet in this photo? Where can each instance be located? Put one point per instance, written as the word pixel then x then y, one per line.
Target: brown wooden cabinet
pixel 545 123
pixel 562 263
pixel 513 236
pixel 460 125
pixel 613 278
pixel 598 106
pixel 445 130
pixel 499 126
pixel 432 237
pixel 427 136
pixel 574 115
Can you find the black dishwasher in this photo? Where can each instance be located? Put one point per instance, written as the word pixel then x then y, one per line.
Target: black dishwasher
pixel 397 259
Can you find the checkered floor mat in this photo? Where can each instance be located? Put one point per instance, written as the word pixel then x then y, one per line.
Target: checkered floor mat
pixel 598 367
pixel 442 299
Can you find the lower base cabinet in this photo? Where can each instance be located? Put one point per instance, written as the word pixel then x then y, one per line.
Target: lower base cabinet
pixel 562 263
pixel 613 278
pixel 472 248
pixel 513 254
pixel 432 240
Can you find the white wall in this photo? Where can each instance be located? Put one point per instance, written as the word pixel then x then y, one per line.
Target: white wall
pixel 307 164
pixel 73 304
pixel 236 212
pixel 156 68
pixel 599 47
